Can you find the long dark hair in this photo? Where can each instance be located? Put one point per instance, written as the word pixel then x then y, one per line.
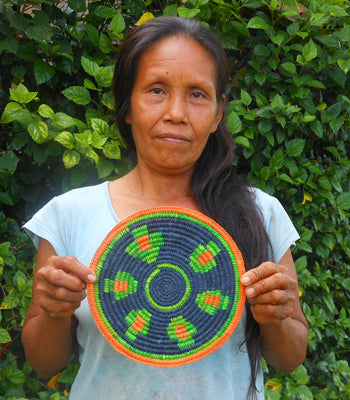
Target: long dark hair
pixel 217 189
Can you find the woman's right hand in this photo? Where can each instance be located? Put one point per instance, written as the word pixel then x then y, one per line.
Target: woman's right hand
pixel 60 285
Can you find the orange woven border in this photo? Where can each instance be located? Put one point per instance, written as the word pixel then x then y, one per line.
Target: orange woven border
pixel 122 225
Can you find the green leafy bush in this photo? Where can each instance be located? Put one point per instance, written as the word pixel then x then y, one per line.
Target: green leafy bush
pixel 288 108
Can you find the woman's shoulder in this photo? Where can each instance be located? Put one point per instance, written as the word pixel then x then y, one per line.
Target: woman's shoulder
pixel 84 192
pixel 264 200
pixel 82 197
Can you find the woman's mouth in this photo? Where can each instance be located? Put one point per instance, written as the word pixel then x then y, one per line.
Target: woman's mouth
pixel 173 137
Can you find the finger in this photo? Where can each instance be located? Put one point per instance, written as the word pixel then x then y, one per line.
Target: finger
pixel 262 271
pixel 273 297
pixel 61 294
pixel 73 266
pixel 50 277
pixel 278 281
pixel 59 309
pixel 271 313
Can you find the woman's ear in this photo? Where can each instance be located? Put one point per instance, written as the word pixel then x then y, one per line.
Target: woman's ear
pixel 127 118
pixel 219 113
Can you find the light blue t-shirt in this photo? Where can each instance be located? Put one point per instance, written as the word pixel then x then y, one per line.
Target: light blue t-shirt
pixel 75 223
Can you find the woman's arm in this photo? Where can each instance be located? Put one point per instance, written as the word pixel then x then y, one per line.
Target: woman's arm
pixel 273 292
pixel 48 333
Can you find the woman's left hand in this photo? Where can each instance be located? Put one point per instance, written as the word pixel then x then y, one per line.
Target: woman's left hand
pixel 272 292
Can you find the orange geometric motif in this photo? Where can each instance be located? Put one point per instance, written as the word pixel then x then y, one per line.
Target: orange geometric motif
pixel 181 331
pixel 213 300
pixel 138 324
pixel 121 286
pixel 144 243
pixel 205 257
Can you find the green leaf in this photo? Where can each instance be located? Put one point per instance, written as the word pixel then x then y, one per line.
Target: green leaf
pixel 46 111
pixel 93 34
pixel 317 128
pixel 105 11
pixel 277 160
pixel 8 162
pixel 104 168
pixel 344 65
pixel 234 123
pixel 290 67
pixel 22 95
pixel 10 113
pixel 253 3
pixel 89 85
pixel 245 97
pixel 260 78
pixel 336 124
pixel 315 84
pixel 108 100
pixel 40 32
pixel 97 141
pixel 343 201
pixel 71 158
pixel 99 126
pixel 242 141
pixel 295 147
pixel 10 301
pixel 4 336
pixel 79 94
pixel 15 375
pixel 187 12
pixel 77 5
pixel 258 23
pixel 309 51
pixel 84 138
pixel 38 130
pixel 89 152
pixel 118 23
pixel 104 76
pixel 62 121
pixel 105 44
pixel 112 150
pixel 90 67
pixel 66 139
pixel 9 44
pixel 42 71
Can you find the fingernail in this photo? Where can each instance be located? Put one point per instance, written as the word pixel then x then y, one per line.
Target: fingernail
pixel 91 278
pixel 245 279
pixel 250 291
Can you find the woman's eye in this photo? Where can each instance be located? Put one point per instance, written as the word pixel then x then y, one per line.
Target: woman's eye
pixel 197 95
pixel 157 90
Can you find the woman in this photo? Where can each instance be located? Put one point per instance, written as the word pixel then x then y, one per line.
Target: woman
pixel 169 85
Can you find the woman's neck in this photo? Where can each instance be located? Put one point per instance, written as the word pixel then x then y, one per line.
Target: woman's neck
pixel 156 186
pixel 141 189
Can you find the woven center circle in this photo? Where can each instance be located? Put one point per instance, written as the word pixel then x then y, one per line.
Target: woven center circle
pixel 168 287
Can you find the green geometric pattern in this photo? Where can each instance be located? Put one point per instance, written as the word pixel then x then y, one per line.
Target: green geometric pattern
pixel 139 321
pixel 123 285
pixel 212 300
pixel 213 249
pixel 181 330
pixel 145 246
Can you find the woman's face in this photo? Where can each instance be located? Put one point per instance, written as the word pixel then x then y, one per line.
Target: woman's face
pixel 173 107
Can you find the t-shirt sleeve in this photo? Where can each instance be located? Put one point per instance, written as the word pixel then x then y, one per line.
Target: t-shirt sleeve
pixel 47 223
pixel 277 223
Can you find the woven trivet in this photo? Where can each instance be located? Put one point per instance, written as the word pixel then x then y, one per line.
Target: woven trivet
pixel 168 286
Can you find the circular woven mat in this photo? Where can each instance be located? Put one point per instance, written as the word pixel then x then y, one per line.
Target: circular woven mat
pixel 168 286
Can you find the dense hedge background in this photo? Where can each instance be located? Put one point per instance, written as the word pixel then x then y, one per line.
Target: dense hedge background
pixel 288 108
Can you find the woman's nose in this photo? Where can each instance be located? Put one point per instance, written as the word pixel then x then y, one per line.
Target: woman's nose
pixel 176 109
